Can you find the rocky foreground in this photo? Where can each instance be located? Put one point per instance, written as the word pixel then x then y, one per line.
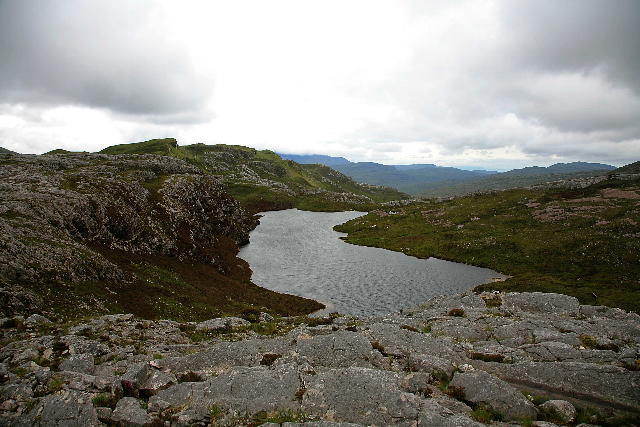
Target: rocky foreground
pixel 466 360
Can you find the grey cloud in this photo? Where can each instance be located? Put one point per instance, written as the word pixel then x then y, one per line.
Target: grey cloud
pixel 591 36
pixel 95 53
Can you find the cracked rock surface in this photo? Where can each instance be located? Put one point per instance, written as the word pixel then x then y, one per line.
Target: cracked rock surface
pixel 515 359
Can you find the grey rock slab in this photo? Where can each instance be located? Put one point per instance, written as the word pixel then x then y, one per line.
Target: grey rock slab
pixel 481 387
pixel 397 341
pixel 250 389
pixel 221 323
pixel 81 345
pixel 340 349
pixel 560 409
pixel 129 413
pixel 224 355
pixel 610 385
pixel 359 395
pixel 432 413
pixel 541 303
pixel 83 363
pixel 70 408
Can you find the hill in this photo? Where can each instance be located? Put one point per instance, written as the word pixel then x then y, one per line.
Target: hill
pixel 262 180
pixel 5 151
pixel 581 242
pixel 631 168
pixel 86 234
pixel 410 179
pixel 559 175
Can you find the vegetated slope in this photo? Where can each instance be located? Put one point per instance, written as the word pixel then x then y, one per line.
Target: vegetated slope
pixel 575 174
pixel 573 241
pixel 5 151
pixel 82 234
pixel 262 180
pixel 631 168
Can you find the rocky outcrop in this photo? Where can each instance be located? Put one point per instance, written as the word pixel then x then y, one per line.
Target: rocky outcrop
pixel 85 233
pixel 465 360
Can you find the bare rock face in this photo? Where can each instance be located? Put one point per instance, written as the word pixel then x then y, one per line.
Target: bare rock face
pixel 418 368
pixel 97 228
pixel 482 388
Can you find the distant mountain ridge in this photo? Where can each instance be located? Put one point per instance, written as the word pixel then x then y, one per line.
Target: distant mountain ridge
pixel 410 179
pixel 320 159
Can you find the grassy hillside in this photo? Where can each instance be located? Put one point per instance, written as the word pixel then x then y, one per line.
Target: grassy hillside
pixel 518 178
pixel 262 180
pixel 631 168
pixel 578 242
pixel 5 151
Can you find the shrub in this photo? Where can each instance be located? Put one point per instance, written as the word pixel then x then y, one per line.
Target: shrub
pixel 103 400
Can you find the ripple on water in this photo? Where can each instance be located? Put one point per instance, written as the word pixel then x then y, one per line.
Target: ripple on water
pixel 298 252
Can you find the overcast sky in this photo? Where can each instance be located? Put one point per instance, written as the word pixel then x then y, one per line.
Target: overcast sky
pixel 487 83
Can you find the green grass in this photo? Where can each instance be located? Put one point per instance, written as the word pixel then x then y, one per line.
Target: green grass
pixel 103 400
pixel 485 414
pixel 588 249
pixel 153 146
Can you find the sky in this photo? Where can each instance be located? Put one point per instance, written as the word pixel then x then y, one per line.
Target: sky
pixel 497 84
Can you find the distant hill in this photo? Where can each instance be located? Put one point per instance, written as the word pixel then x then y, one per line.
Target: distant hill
pixel 319 159
pixel 5 151
pixel 520 178
pixel 411 179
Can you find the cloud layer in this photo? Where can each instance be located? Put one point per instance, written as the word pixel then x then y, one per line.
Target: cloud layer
pixel 493 83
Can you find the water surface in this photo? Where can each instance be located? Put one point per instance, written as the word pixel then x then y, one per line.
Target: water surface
pixel 298 252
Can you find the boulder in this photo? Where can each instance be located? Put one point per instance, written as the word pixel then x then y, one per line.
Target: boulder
pixel 36 320
pixel 71 408
pixel 83 363
pixel 129 413
pixel 480 387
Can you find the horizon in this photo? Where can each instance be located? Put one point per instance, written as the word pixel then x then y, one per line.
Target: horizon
pixel 488 84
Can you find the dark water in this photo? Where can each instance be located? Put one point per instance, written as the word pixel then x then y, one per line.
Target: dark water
pixel 297 252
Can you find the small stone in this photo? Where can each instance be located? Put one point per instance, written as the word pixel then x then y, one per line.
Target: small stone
pixel 265 317
pixel 9 405
pixel 466 368
pixel 559 409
